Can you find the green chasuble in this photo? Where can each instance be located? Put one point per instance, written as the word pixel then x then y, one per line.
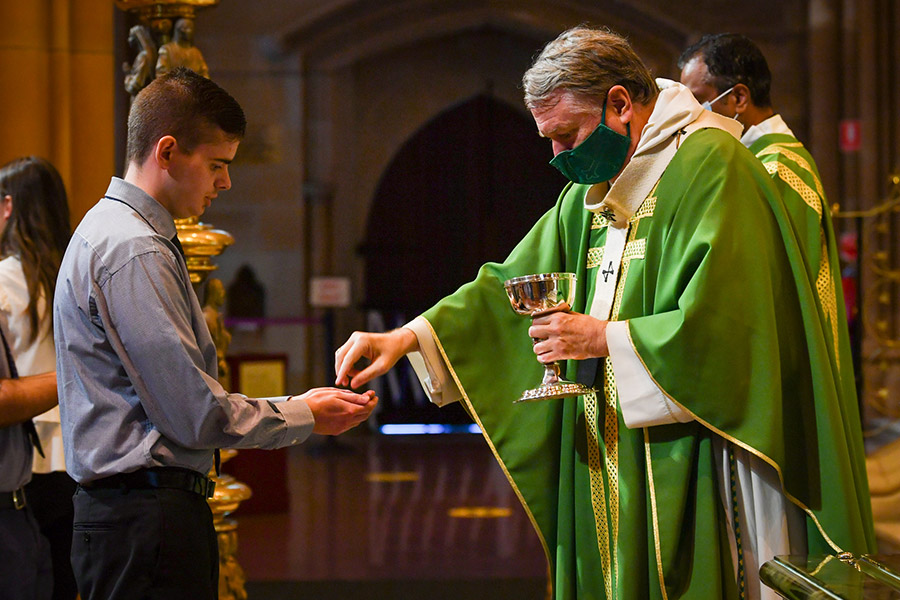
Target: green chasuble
pixel 797 178
pixel 720 310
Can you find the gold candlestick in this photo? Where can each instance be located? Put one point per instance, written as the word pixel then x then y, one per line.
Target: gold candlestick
pixel 202 243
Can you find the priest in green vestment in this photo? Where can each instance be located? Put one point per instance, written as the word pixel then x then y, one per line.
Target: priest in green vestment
pixel 717 429
pixel 729 73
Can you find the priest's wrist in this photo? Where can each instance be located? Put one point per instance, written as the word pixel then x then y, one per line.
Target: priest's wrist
pixel 409 342
pixel 601 347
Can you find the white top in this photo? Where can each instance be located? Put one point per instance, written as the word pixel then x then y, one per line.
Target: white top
pixel 774 124
pixel 32 358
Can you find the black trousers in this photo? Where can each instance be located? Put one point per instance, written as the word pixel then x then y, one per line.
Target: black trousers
pixel 25 571
pixel 50 498
pixel 134 544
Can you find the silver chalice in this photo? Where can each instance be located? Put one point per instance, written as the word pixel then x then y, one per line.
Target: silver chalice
pixel 536 295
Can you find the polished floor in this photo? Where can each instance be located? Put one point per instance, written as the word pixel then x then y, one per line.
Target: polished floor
pixel 380 516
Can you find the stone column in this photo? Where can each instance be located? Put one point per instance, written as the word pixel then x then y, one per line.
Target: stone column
pixel 56 66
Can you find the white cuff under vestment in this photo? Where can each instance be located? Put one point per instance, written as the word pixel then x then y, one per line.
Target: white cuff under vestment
pixel 430 367
pixel 643 403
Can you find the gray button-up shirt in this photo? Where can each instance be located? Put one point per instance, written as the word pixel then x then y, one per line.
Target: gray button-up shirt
pixel 15 447
pixel 136 365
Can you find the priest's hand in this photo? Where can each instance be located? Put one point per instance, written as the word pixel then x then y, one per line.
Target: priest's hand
pixel 382 349
pixel 564 335
pixel 335 410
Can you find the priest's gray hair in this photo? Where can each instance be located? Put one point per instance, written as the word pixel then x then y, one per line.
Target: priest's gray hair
pixel 587 62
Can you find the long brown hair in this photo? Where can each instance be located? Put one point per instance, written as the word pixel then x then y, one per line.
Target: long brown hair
pixel 38 228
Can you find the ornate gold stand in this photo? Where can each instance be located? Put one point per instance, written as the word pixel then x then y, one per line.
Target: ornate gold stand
pixel 201 244
pixel 159 14
pixel 229 494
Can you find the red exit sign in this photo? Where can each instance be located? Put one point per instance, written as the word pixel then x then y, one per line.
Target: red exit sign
pixel 850 135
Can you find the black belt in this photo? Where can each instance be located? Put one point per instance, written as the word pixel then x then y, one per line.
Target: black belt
pixel 174 478
pixel 14 499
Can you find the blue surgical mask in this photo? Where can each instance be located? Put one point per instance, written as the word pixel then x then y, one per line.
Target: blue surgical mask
pixel 598 158
pixel 708 104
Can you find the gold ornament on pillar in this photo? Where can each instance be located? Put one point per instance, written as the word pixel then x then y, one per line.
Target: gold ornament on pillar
pixel 163 41
pixel 202 243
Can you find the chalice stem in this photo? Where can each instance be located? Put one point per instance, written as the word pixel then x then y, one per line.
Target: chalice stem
pixel 551 373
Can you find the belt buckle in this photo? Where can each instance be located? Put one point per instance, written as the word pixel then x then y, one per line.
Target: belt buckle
pixel 210 488
pixel 18 497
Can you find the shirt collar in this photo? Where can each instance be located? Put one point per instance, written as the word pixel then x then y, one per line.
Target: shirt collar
pixel 774 124
pixel 146 206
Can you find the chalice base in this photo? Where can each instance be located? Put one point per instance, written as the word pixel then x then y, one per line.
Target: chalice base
pixel 552 391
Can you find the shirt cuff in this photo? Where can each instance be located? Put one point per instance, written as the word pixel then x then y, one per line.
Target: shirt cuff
pixel 298 419
pixel 643 403
pixel 430 367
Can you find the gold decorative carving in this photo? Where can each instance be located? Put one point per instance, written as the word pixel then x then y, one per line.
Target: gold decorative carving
pixel 152 10
pixel 201 244
pixel 229 495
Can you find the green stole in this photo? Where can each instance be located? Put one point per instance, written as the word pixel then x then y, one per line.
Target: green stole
pixel 721 312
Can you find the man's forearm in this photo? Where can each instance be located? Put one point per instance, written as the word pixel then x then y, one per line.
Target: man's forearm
pixel 26 397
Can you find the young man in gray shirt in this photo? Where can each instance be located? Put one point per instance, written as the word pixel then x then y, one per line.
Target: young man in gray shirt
pixel 142 411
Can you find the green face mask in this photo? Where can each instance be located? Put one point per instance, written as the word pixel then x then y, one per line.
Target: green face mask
pixel 598 158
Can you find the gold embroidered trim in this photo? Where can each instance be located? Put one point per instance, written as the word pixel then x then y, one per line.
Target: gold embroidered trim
pixel 594 257
pixel 490 442
pixel 599 221
pixel 743 445
pixel 646 208
pixel 827 296
pixel 790 154
pixel 611 440
pixel 598 491
pixel 824 282
pixel 655 514
pixel 607 522
pixel 808 194
pixel 634 249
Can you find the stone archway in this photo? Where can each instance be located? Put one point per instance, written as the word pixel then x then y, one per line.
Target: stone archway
pixel 461 192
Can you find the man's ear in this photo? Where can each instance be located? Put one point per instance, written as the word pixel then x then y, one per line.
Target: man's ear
pixel 165 150
pixel 618 101
pixel 742 99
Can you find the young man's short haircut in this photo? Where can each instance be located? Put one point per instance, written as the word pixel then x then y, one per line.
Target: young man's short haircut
pixel 185 105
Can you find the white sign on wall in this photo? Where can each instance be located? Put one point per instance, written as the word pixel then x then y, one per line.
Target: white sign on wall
pixel 329 292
